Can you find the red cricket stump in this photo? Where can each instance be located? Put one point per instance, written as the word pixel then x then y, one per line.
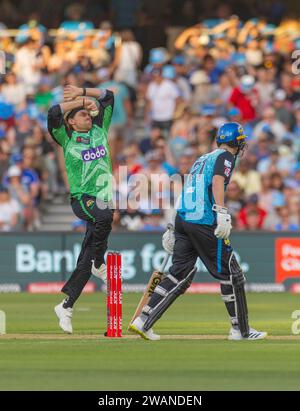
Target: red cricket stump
pixel 108 295
pixel 114 295
pixel 119 295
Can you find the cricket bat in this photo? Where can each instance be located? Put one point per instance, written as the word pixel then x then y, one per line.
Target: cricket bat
pixel 155 279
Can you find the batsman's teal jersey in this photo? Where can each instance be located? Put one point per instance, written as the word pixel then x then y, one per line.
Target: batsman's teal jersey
pixel 196 201
pixel 87 155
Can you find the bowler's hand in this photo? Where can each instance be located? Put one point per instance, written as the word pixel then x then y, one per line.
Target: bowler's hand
pixel 90 106
pixel 72 92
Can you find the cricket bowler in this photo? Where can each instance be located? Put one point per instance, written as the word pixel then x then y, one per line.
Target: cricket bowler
pixel 202 229
pixel 80 126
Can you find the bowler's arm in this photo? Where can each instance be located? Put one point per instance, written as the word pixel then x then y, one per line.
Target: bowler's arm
pixel 73 93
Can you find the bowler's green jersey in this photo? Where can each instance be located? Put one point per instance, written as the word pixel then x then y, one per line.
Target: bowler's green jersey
pixel 87 155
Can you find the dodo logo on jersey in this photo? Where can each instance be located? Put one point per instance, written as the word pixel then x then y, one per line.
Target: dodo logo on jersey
pixel 93 153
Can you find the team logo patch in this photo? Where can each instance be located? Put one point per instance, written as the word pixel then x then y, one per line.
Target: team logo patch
pixel 227 163
pixel 83 140
pixel 93 153
pixel 90 203
pixel 227 171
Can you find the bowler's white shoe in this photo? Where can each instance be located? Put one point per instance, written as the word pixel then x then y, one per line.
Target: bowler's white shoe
pixel 253 335
pixel 100 272
pixel 65 318
pixel 137 326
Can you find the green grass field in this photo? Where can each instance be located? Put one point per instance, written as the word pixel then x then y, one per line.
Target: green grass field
pixel 35 355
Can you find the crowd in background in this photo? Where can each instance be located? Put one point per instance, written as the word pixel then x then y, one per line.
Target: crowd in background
pixel 168 105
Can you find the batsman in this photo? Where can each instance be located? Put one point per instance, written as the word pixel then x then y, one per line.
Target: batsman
pixel 202 229
pixel 80 126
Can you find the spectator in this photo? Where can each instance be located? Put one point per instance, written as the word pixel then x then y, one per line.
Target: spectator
pixel 182 82
pixel 116 224
pixel 294 180
pixel 185 163
pixel 131 219
pixel 188 41
pixel 204 91
pixel 286 222
pixel 281 111
pixel 43 96
pixel 122 114
pixel 13 91
pixel 153 164
pixel 251 215
pixel 74 14
pixel 262 147
pixel 153 222
pixel 277 183
pixel 274 162
pixel 4 158
pixel 9 211
pixel 296 128
pixel 265 195
pixel 270 123
pixel 162 98
pixel 183 123
pixel 46 161
pixel 31 180
pixel 109 40
pixel 29 176
pixel 148 143
pixel 288 85
pixel 128 58
pixel 210 68
pixel 161 147
pixel 223 90
pixel 7 112
pixel 265 87
pixel 253 220
pixel 247 179
pixel 19 193
pixel 23 129
pixel 234 199
pixel 28 65
pixel 132 158
pixel 245 98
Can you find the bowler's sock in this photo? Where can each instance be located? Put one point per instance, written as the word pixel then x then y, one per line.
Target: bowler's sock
pixel 68 302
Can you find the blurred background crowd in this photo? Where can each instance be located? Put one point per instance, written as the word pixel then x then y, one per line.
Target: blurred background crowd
pixel 179 69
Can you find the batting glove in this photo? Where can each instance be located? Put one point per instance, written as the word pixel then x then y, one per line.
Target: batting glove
pixel 223 222
pixel 168 239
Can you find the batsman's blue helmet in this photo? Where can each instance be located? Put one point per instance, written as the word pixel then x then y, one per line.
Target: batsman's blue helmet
pixel 231 134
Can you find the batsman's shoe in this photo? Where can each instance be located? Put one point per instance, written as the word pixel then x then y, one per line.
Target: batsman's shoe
pixel 137 326
pixel 253 335
pixel 100 272
pixel 65 318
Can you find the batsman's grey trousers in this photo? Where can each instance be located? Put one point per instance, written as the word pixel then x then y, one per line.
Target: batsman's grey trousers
pixel 94 245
